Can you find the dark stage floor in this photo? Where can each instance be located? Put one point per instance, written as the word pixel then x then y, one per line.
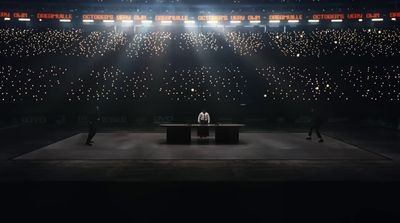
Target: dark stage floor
pixel 55 153
pixel 152 146
pixel 47 173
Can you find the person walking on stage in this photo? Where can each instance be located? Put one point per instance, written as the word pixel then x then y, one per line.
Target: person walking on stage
pixel 316 123
pixel 93 119
pixel 203 119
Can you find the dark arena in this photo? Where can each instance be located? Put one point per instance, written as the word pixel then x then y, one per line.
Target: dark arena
pixel 200 111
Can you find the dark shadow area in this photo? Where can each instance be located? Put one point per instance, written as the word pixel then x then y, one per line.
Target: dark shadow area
pixel 202 202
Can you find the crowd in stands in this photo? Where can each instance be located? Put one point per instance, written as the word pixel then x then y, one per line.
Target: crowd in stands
pixel 200 81
pixel 299 84
pixel 199 41
pixel 242 43
pixel 19 42
pixel 373 83
pixel 245 43
pixel 148 44
pixel 346 42
pixel 109 84
pixel 371 42
pixel 25 84
pixel 204 83
pixel 350 83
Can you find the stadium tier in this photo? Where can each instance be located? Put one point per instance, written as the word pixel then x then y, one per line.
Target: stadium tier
pixel 250 57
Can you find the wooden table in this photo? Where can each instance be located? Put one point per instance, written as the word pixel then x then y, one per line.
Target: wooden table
pixel 181 133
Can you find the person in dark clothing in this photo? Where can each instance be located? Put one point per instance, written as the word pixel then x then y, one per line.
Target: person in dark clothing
pixel 93 119
pixel 316 123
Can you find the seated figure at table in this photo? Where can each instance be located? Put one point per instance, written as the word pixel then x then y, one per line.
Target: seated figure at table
pixel 203 119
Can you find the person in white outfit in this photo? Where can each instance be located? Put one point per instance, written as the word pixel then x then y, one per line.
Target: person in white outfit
pixel 203 119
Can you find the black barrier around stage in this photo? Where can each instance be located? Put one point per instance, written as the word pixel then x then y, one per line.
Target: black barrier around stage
pixel 181 133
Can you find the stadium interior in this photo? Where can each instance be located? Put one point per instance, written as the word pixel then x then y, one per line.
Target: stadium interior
pixel 261 64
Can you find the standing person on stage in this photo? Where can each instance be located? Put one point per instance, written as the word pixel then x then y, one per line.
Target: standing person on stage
pixel 316 123
pixel 93 119
pixel 203 119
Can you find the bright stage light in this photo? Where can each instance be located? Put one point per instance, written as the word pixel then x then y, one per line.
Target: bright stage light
pixel 147 22
pixel 274 21
pixel 236 22
pixel 377 20
pixel 24 19
pixel 255 21
pixel 337 20
pixel 313 21
pixel 293 21
pixel 65 20
pixel 88 20
pixel 108 21
pixel 212 22
pixel 190 22
pixel 7 19
pixel 360 20
pixel 393 19
pixel 166 22
pixel 127 21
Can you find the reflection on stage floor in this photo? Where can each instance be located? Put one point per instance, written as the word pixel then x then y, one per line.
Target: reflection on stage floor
pixel 152 146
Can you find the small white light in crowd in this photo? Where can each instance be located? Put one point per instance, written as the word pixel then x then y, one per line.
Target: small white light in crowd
pixel 108 21
pixel 337 20
pixel 40 20
pixel 255 21
pixel 7 19
pixel 265 95
pixel 192 90
pixel 88 20
pixel 166 22
pixel 393 19
pixel 65 20
pixel 377 20
pixel 236 22
pixel 274 21
pixel 360 20
pixel 147 22
pixel 293 21
pixel 313 20
pixel 24 19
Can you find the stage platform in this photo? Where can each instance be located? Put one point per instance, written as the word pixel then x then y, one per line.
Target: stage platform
pixel 152 146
